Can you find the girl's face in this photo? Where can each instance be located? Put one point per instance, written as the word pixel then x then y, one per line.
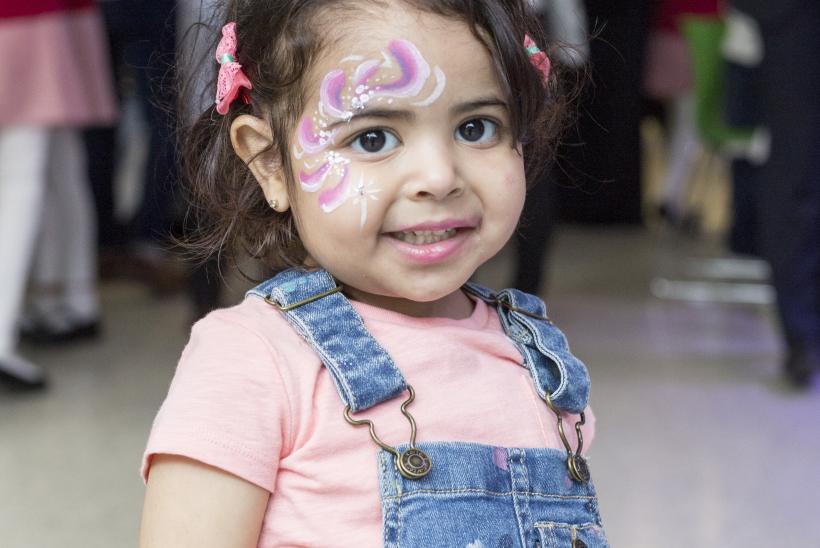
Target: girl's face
pixel 407 175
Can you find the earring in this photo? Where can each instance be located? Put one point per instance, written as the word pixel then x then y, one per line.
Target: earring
pixel 273 203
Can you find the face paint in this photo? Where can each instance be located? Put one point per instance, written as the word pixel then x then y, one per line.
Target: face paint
pixel 441 81
pixel 331 95
pixel 311 141
pixel 334 163
pixel 362 193
pixel 330 200
pixel 341 93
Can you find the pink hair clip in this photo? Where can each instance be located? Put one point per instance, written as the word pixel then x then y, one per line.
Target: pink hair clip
pixel 231 77
pixel 538 58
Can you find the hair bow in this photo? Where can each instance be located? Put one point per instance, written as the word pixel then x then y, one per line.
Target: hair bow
pixel 231 78
pixel 538 58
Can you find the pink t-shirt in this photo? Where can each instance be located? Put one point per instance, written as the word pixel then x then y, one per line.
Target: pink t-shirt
pixel 252 398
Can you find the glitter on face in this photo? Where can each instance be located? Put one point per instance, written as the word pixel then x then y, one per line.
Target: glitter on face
pixel 362 194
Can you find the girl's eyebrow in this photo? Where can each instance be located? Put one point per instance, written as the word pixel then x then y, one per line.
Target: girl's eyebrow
pixel 397 114
pixel 477 104
pixel 384 114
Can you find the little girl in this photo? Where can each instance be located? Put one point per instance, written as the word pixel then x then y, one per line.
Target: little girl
pixel 373 154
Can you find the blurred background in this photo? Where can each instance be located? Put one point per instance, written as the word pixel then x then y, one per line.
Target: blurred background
pixel 676 240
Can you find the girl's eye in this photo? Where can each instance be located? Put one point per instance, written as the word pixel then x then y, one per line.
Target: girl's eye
pixel 479 131
pixel 374 141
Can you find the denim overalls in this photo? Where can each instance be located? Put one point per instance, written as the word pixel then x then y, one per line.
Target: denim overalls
pixel 456 494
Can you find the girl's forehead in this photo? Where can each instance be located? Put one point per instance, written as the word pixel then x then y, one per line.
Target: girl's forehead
pixel 389 42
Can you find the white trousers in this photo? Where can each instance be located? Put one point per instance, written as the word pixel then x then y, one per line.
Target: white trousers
pixel 23 154
pixel 45 205
pixel 64 275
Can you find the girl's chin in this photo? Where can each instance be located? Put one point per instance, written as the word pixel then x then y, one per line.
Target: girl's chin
pixel 451 303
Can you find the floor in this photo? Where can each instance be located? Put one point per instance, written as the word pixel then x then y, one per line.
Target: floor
pixel 699 442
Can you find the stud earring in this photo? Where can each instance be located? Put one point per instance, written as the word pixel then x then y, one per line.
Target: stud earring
pixel 273 203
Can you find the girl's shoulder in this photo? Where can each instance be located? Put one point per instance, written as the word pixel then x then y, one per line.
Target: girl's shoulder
pixel 250 342
pixel 250 323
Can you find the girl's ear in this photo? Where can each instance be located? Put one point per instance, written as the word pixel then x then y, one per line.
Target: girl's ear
pixel 251 138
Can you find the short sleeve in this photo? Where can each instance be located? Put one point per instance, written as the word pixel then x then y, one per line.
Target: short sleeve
pixel 227 404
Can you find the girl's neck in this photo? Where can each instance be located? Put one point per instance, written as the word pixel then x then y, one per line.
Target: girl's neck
pixel 456 305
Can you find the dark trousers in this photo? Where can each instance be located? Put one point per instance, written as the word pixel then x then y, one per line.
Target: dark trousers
pixel 786 87
pixel 141 38
pixel 742 110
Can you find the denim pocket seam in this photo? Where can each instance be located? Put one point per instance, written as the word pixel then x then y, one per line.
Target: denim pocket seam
pixel 562 525
pixel 409 494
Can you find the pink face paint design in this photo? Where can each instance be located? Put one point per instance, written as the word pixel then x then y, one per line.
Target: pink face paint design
pixel 311 182
pixel 441 82
pixel 414 71
pixel 365 72
pixel 310 141
pixel 414 74
pixel 330 94
pixel 331 199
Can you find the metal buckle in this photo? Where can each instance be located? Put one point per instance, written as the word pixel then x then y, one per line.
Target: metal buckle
pixel 506 304
pixel 577 465
pixel 288 308
pixel 413 463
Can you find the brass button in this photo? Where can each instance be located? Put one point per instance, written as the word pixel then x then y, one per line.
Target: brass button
pixel 578 543
pixel 578 468
pixel 414 464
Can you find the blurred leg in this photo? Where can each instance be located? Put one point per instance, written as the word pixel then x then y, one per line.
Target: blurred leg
pixel 64 273
pixel 788 184
pixel 23 153
pixel 682 154
pixel 742 110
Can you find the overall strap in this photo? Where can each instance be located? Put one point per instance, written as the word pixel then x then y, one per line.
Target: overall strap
pixel 363 372
pixel 555 371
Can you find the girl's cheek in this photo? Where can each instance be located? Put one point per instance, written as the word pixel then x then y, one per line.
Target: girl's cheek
pixel 515 185
pixel 326 176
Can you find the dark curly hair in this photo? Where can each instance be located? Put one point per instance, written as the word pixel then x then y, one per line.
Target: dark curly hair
pixel 278 43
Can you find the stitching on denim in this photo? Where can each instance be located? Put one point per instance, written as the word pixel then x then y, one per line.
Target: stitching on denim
pixel 535 335
pixel 559 363
pixel 548 535
pixel 386 500
pixel 562 525
pixel 562 370
pixel 328 361
pixel 396 480
pixel 465 491
pixel 513 470
pixel 521 506
pixel 372 339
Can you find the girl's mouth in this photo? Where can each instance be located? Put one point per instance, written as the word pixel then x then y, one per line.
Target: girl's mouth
pixel 424 237
pixel 430 246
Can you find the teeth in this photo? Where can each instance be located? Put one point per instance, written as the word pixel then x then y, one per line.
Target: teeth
pixel 422 237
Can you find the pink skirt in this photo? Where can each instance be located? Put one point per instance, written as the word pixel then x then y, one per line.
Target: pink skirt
pixel 55 70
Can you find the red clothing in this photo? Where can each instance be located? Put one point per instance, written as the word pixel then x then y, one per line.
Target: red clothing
pixel 56 70
pixel 18 8
pixel 670 11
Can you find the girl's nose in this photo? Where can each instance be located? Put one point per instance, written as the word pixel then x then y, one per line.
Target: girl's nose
pixel 433 175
